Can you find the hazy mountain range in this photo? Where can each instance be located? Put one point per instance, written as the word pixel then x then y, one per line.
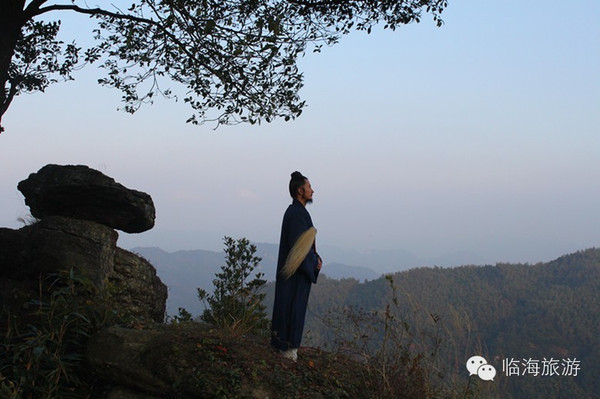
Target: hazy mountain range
pixel 186 270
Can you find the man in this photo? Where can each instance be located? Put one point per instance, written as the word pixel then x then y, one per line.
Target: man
pixel 298 266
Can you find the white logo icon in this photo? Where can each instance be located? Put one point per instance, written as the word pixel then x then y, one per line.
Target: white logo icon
pixel 477 365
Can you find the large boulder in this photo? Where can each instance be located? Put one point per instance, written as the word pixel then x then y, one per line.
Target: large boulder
pixel 13 251
pixel 79 192
pixel 17 287
pixel 58 243
pixel 67 263
pixel 78 209
pixel 141 292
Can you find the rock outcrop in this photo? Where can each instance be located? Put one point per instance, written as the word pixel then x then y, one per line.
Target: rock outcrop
pixel 194 360
pixel 78 192
pixel 79 208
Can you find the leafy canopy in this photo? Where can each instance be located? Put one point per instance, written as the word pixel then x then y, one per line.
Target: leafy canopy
pixel 236 59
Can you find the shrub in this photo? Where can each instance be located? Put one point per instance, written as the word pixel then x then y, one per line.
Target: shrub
pixel 236 304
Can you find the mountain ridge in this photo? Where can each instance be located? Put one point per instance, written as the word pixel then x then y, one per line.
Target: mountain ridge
pixel 503 312
pixel 184 271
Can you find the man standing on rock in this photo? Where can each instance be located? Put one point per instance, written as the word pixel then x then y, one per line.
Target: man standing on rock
pixel 298 266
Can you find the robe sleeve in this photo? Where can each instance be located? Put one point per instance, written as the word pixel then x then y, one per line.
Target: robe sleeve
pixel 308 267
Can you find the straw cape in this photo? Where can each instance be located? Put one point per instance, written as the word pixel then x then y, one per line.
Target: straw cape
pixel 298 252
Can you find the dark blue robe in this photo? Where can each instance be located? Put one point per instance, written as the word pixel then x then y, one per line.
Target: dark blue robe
pixel 291 295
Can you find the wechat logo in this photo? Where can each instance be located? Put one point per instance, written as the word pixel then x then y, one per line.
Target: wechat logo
pixel 477 365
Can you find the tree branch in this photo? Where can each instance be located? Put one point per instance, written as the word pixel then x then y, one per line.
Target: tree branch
pixel 93 11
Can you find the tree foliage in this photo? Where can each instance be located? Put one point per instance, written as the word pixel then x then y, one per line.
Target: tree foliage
pixel 237 60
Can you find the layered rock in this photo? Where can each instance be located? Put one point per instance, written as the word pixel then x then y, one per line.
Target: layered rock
pixel 140 290
pixel 79 192
pixel 79 208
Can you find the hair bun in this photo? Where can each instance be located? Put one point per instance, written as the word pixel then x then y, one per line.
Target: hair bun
pixel 297 176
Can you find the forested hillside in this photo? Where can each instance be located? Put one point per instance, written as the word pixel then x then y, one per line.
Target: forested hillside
pixel 186 271
pixel 521 318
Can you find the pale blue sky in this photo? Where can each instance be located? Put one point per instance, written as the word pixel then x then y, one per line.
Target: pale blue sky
pixel 480 136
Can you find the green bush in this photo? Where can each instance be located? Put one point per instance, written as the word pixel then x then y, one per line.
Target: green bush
pixel 236 304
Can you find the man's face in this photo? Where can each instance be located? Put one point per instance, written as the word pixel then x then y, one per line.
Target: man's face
pixel 306 192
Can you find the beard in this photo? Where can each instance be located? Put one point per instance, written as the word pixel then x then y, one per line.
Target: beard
pixel 309 201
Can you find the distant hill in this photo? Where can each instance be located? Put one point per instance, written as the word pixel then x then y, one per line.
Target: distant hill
pixel 185 271
pixel 341 271
pixel 504 312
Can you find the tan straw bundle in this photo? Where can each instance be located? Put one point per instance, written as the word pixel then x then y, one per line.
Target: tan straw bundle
pixel 298 252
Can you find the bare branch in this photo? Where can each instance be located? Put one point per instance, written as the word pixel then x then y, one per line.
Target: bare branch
pixel 95 11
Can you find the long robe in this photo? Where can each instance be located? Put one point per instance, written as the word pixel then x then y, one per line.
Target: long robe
pixel 291 295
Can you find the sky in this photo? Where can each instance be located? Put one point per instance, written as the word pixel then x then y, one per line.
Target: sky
pixel 479 137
